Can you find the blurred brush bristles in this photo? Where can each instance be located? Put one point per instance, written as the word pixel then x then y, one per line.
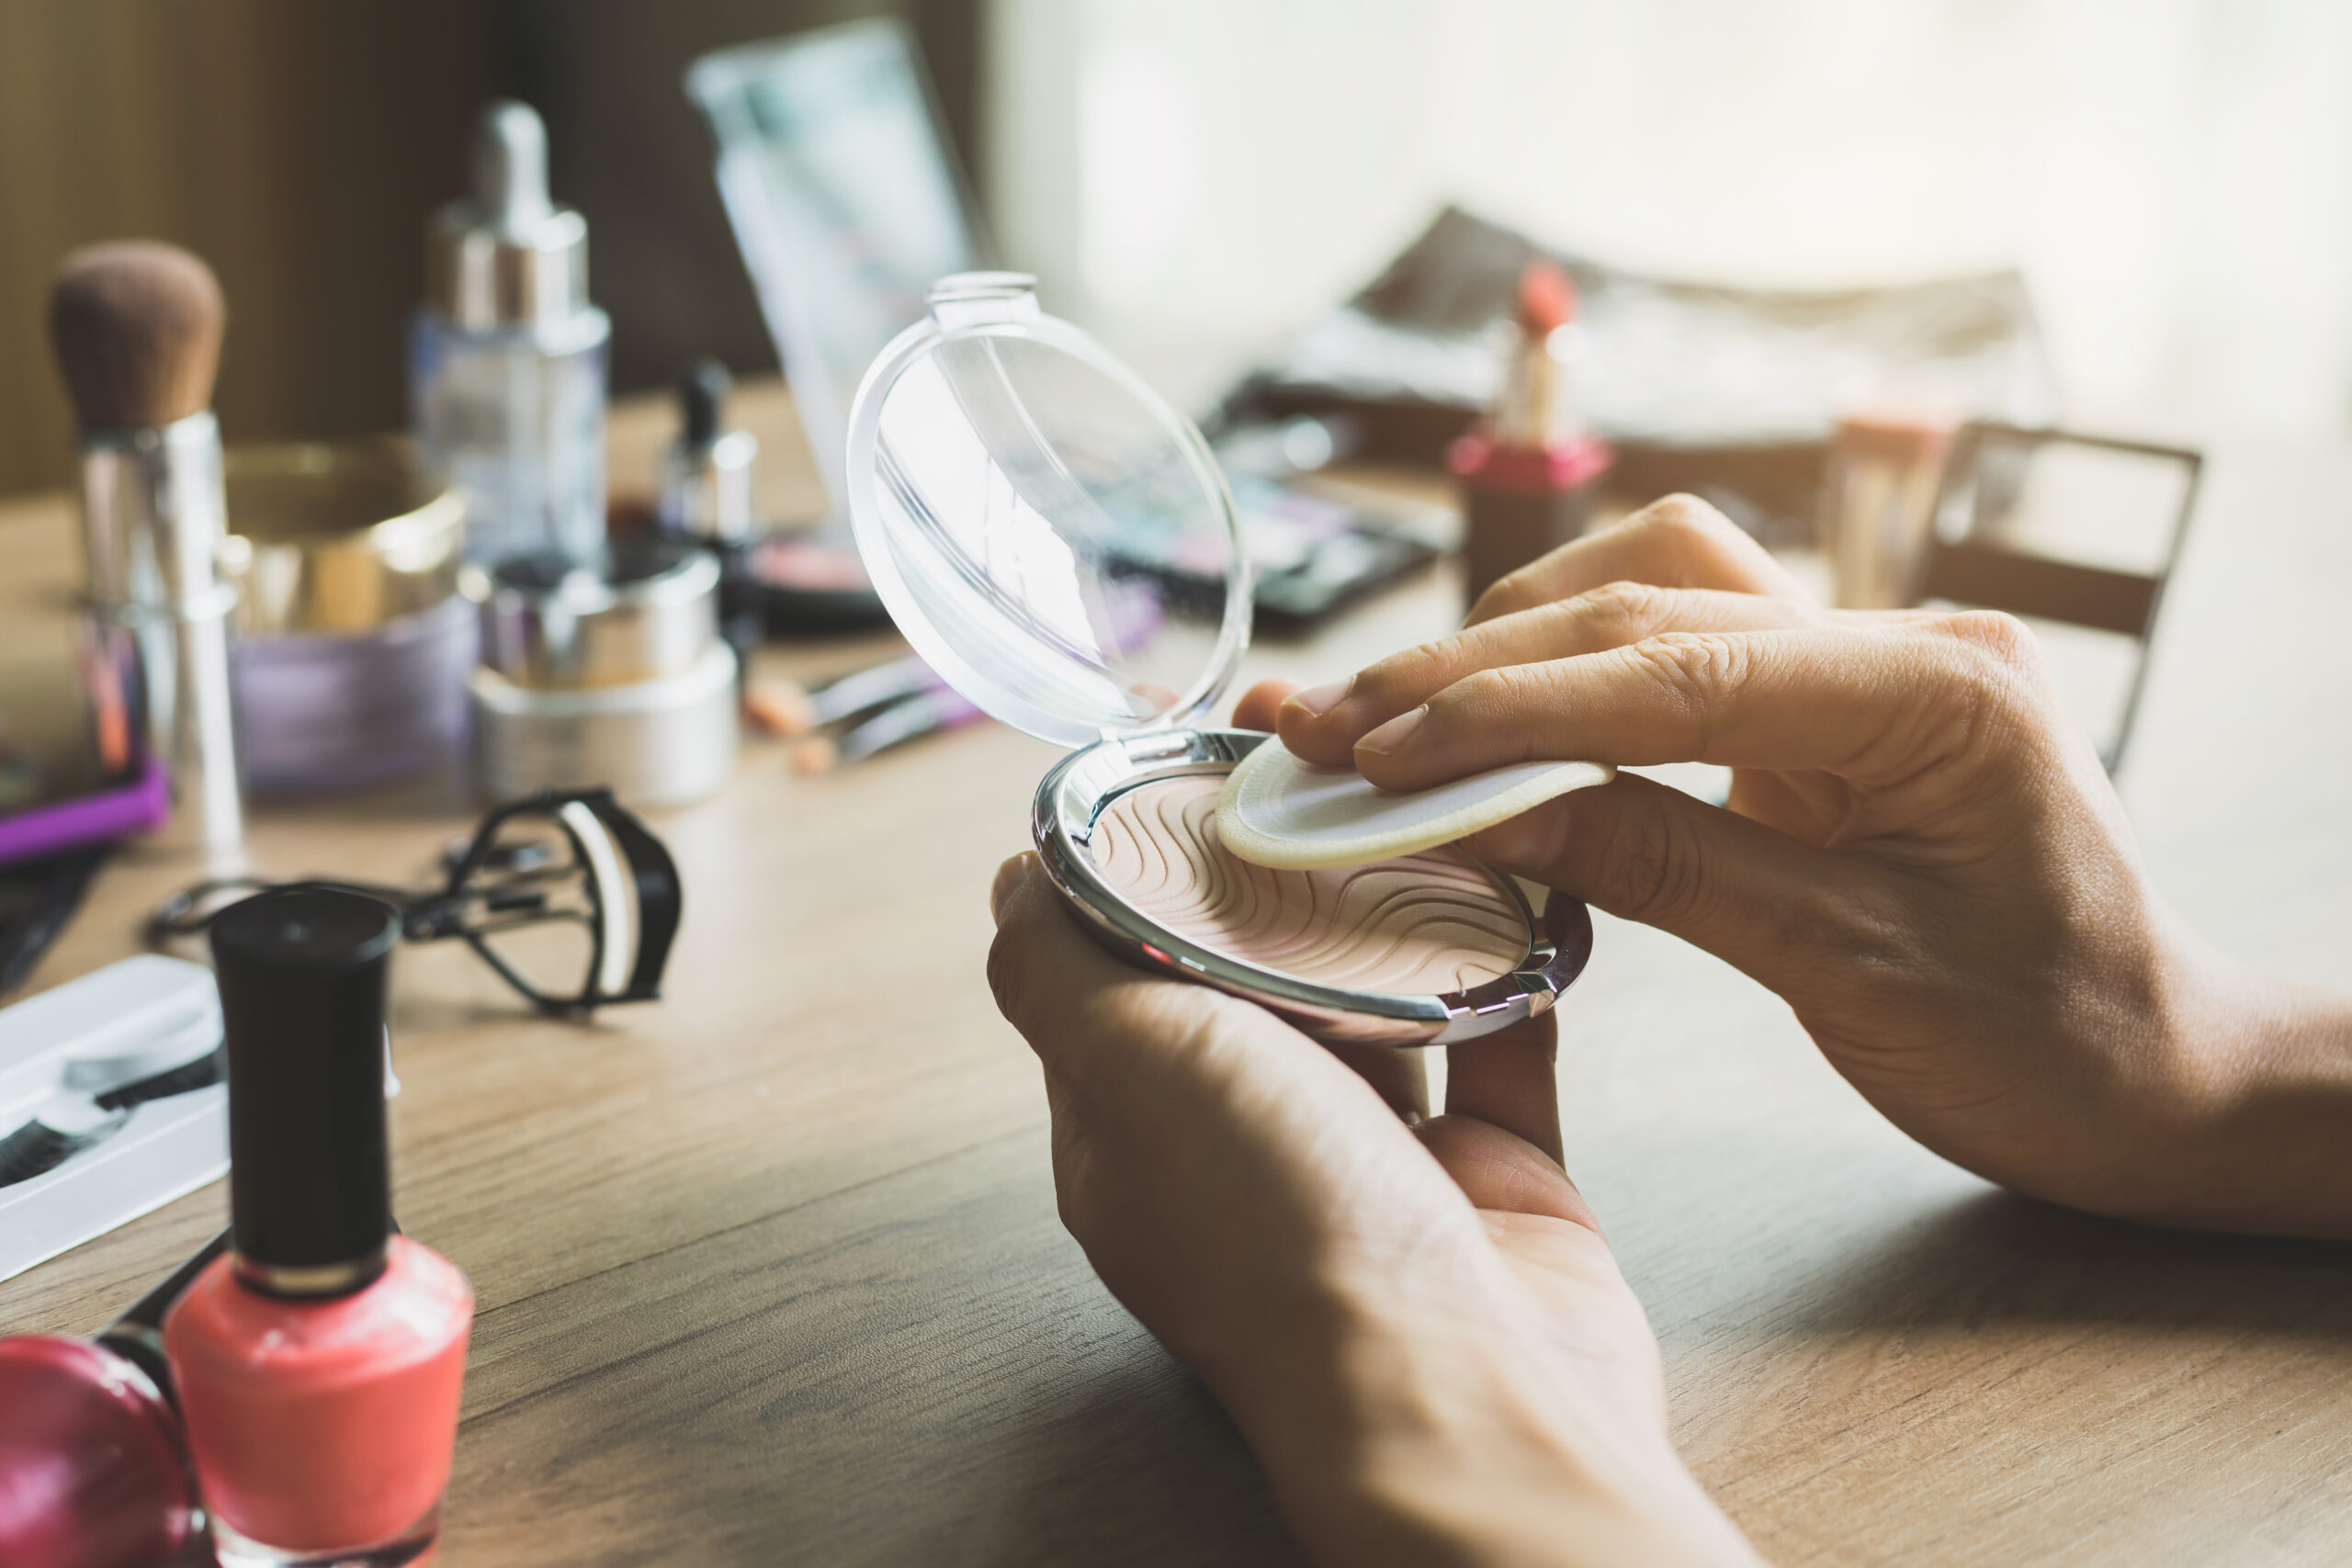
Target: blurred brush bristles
pixel 817 754
pixel 779 707
pixel 136 326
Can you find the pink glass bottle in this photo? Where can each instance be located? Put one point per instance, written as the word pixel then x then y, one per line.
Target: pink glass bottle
pixel 94 1470
pixel 319 1363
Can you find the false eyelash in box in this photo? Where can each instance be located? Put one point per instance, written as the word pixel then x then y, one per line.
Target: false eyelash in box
pixel 112 1103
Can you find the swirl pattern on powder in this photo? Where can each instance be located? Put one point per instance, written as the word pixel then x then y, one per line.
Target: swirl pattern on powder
pixel 1417 925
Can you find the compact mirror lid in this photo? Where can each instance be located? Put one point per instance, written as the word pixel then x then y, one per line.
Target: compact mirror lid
pixel 1012 486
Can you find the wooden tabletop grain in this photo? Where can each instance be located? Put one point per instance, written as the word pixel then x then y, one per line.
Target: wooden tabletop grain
pixel 769 1271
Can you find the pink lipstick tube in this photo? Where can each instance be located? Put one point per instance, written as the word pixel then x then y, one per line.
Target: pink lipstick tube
pixel 320 1362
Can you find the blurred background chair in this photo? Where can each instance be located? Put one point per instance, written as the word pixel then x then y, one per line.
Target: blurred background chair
pixel 2063 530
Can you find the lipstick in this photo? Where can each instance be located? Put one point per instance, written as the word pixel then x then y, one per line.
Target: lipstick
pixel 1530 471
pixel 319 1363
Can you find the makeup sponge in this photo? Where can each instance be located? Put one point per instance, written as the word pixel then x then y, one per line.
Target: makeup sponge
pixel 1278 811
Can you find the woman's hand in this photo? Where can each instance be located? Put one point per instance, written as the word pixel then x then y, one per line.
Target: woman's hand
pixel 1415 1323
pixel 1921 855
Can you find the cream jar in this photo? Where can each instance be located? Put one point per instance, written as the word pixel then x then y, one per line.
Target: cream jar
pixel 1006 472
pixel 353 642
pixel 613 675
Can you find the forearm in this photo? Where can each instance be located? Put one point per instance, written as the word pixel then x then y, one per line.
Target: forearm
pixel 1405 1441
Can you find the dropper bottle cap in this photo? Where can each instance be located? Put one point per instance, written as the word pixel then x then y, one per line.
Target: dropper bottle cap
pixel 302 976
pixel 507 255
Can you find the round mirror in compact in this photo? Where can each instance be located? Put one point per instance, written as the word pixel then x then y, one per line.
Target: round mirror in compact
pixel 1011 484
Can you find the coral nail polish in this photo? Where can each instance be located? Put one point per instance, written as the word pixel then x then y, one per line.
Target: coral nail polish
pixel 319 1363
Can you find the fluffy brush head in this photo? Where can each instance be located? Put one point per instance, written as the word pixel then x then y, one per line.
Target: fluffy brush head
pixel 1546 298
pixel 136 326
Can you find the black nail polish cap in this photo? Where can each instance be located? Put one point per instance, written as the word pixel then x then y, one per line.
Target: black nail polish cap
pixel 302 976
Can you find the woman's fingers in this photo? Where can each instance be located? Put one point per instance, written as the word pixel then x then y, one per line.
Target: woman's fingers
pixel 1510 1079
pixel 1502 1173
pixel 1258 705
pixel 1323 725
pixel 1104 1027
pixel 1499 1138
pixel 1874 705
pixel 1117 1044
pixel 1678 542
pixel 1044 971
pixel 1400 1077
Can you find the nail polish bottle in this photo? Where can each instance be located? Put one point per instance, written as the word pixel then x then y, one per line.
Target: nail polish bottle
pixel 319 1363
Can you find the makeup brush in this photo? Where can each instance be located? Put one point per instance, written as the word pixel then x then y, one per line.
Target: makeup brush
pixel 136 326
pixel 778 708
pixel 910 718
pixel 788 708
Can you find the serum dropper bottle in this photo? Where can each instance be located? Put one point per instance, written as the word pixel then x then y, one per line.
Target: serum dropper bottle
pixel 506 358
pixel 320 1361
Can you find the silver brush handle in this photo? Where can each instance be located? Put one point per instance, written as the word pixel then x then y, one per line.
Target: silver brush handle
pixel 155 529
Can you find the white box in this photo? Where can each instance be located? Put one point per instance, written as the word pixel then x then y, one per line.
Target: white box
pixel 167 1148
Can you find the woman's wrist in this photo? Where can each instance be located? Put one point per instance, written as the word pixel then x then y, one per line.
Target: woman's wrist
pixel 1431 1434
pixel 2228 1105
pixel 2263 1139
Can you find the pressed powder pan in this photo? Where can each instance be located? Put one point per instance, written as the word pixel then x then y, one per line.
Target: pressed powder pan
pixel 1418 924
pixel 1069 823
pixel 1006 475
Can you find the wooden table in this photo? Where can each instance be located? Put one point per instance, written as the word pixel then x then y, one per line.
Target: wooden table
pixel 769 1272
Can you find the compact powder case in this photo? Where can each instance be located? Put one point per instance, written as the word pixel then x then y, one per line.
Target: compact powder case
pixel 1006 475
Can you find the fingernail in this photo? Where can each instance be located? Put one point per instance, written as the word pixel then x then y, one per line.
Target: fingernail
pixel 1392 736
pixel 1008 878
pixel 1316 700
